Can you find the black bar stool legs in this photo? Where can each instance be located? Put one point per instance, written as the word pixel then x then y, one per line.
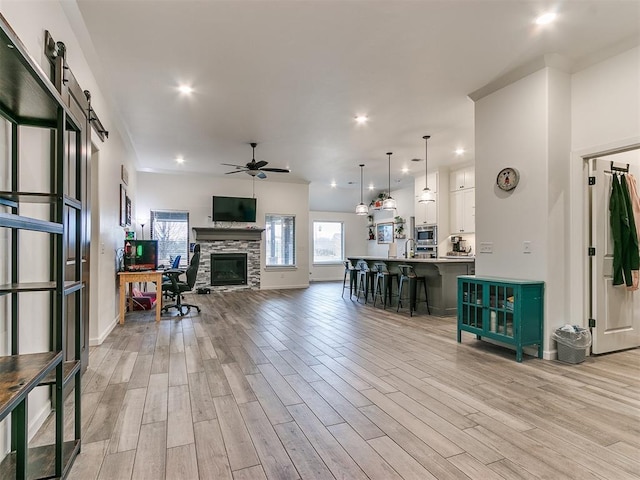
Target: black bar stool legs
pixel 383 284
pixel 409 280
pixel 365 280
pixel 352 273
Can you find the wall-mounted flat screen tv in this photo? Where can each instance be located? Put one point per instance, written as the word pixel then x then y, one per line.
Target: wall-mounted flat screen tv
pixel 234 209
pixel 140 255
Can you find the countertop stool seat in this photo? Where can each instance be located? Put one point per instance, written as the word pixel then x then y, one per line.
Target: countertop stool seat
pixel 351 273
pixel 383 284
pixel 365 280
pixel 409 281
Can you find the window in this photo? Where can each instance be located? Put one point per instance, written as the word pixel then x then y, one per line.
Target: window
pixel 280 243
pixel 328 242
pixel 171 229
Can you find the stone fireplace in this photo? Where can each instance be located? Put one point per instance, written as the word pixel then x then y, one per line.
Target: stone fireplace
pixel 228 269
pixel 229 244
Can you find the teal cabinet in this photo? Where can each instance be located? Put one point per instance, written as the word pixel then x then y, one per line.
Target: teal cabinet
pixel 506 310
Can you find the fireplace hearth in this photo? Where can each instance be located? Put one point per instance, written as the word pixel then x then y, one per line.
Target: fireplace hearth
pixel 228 269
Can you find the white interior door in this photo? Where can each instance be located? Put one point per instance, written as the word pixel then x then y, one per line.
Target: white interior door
pixel 615 309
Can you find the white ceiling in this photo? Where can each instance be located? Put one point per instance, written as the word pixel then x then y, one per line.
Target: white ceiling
pixel 292 75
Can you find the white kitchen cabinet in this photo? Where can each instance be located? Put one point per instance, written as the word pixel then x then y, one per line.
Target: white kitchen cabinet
pixel 462 178
pixel 462 210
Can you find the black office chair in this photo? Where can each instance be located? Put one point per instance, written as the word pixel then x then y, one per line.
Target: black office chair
pixel 176 287
pixel 175 264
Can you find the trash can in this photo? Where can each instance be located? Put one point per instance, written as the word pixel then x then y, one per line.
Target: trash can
pixel 572 343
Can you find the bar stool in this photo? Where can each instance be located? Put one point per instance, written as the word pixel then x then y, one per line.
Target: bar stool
pixel 383 284
pixel 351 272
pixel 409 279
pixel 365 280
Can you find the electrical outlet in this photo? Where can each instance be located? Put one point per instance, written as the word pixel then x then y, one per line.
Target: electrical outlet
pixel 486 247
pixel 526 247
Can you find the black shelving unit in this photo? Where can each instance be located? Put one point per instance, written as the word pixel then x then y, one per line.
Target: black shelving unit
pixel 28 99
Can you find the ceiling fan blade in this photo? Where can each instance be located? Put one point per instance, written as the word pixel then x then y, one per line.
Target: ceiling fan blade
pixel 261 175
pixel 236 171
pixel 232 165
pixel 277 170
pixel 261 164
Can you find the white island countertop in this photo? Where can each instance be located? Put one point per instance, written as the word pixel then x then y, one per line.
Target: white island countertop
pixel 460 259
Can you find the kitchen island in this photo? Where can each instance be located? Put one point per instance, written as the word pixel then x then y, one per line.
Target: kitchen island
pixel 441 274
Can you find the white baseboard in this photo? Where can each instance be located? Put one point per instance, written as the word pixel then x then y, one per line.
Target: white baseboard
pixel 39 419
pixel 94 342
pixel 284 287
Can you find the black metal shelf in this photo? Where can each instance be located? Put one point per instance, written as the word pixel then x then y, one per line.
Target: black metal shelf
pixel 41 461
pixel 69 369
pixel 19 374
pixel 21 222
pixel 69 287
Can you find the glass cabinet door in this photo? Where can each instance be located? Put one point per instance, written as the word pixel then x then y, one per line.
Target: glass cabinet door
pixel 501 304
pixel 472 303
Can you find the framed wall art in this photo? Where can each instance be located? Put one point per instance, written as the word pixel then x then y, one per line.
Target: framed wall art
pixel 128 211
pixel 123 206
pixel 384 232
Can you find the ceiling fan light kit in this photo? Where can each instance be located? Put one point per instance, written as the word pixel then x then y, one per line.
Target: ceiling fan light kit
pixel 253 168
pixel 389 202
pixel 361 208
pixel 427 195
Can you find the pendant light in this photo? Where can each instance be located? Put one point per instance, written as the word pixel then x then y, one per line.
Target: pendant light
pixel 361 209
pixel 389 203
pixel 427 195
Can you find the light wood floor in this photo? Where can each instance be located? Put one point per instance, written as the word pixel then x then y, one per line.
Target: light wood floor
pixel 305 384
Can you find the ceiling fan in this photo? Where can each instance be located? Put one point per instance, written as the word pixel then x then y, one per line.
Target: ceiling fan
pixel 253 168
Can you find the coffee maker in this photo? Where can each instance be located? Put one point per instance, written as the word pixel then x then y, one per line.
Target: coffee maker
pixel 459 245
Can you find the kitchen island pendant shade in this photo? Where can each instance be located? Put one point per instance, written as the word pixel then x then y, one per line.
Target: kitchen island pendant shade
pixel 389 203
pixel 361 209
pixel 427 195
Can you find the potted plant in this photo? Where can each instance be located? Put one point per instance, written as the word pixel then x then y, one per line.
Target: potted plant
pixel 376 203
pixel 399 221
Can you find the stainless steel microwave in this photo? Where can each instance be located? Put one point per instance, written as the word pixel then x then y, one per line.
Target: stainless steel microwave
pixel 427 234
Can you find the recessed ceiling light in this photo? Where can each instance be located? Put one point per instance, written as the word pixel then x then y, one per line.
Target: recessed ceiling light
pixel 459 151
pixel 371 187
pixel 333 184
pixel 361 119
pixel 405 169
pixel 179 160
pixel 185 89
pixel 546 18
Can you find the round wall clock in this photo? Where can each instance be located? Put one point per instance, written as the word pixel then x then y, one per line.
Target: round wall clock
pixel 508 179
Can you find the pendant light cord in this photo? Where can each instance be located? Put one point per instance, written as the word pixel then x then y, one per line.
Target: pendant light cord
pixel 426 149
pixel 361 180
pixel 389 153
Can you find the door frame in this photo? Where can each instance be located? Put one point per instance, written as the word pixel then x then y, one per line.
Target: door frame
pixel 579 232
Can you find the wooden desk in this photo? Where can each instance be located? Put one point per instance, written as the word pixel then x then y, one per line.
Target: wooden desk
pixel 130 277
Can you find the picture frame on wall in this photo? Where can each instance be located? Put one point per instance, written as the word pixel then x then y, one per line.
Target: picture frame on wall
pixel 384 232
pixel 128 211
pixel 123 206
pixel 124 174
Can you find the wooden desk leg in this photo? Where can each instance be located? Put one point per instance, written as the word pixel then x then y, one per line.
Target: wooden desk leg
pixel 158 300
pixel 122 299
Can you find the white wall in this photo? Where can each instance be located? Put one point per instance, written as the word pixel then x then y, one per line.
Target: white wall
pixel 606 102
pixel 526 125
pixel 355 242
pixel 193 193
pixel 511 131
pixel 405 201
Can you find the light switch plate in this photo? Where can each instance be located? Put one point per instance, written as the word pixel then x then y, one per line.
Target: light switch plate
pixel 486 247
pixel 526 247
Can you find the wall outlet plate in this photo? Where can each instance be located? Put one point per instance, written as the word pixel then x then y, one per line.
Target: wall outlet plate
pixel 486 247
